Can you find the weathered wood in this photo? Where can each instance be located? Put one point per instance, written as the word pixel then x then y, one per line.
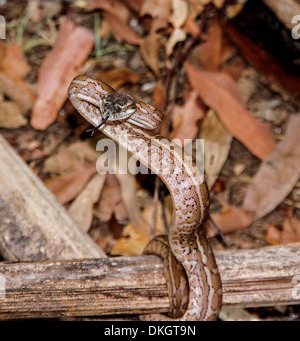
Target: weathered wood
pixel 136 285
pixel 34 226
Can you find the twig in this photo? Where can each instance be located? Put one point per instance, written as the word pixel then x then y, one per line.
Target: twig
pixel 180 60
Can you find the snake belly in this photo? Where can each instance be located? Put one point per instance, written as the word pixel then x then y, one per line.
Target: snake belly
pixel 199 294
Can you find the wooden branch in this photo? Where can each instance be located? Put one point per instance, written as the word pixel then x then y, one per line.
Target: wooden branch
pixel 284 10
pixel 136 285
pixel 34 226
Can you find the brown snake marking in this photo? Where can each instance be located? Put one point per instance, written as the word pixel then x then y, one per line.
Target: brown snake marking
pixel 190 268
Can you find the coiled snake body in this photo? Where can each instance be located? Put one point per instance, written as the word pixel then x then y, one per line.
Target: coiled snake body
pixel 189 264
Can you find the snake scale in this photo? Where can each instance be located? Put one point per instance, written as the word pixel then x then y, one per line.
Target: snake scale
pixel 193 279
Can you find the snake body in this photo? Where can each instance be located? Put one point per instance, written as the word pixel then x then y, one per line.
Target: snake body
pixel 192 274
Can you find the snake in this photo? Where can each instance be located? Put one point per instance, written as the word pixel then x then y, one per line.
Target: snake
pixel 192 275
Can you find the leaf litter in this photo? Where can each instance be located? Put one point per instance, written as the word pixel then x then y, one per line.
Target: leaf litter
pixel 250 131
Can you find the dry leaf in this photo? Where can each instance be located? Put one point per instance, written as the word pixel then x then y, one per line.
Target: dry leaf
pixel 217 144
pixel 121 31
pixel 119 76
pixel 197 6
pixel 67 186
pixel 179 13
pixel 63 63
pixel 210 52
pixel 219 92
pixel 273 235
pixel 190 26
pixel 150 47
pixel 134 242
pixel 176 36
pixel 185 119
pixel 289 233
pixel 231 219
pixel 277 175
pixel 135 5
pixel 128 192
pixel 158 94
pixel 17 91
pixel 69 158
pixel 233 10
pixel 157 9
pixel 13 62
pixel 11 116
pixel 177 19
pixel 111 201
pixel 116 15
pixel 291 230
pixel 82 207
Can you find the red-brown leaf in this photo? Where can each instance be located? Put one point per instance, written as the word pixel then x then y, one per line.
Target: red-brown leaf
pixel 67 186
pixel 72 47
pixel 231 219
pixel 219 92
pixel 185 119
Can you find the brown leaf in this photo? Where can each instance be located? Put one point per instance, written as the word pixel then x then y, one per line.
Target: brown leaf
pixel 17 91
pixel 11 116
pixel 157 9
pixel 72 47
pixel 133 241
pixel 176 36
pixel 277 175
pixel 291 230
pixel 217 144
pixel 210 52
pixel 69 158
pixel 158 94
pixel 179 13
pixel 82 208
pixel 197 7
pixel 121 31
pixel 119 76
pixel 67 186
pixel 185 119
pixel 135 5
pixel 117 16
pixel 111 201
pixel 150 47
pixel 13 62
pixel 190 26
pixel 273 235
pixel 219 92
pixel 231 219
pixel 289 233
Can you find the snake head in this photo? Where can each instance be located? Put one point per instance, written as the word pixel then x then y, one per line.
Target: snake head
pixel 117 106
pixel 98 103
